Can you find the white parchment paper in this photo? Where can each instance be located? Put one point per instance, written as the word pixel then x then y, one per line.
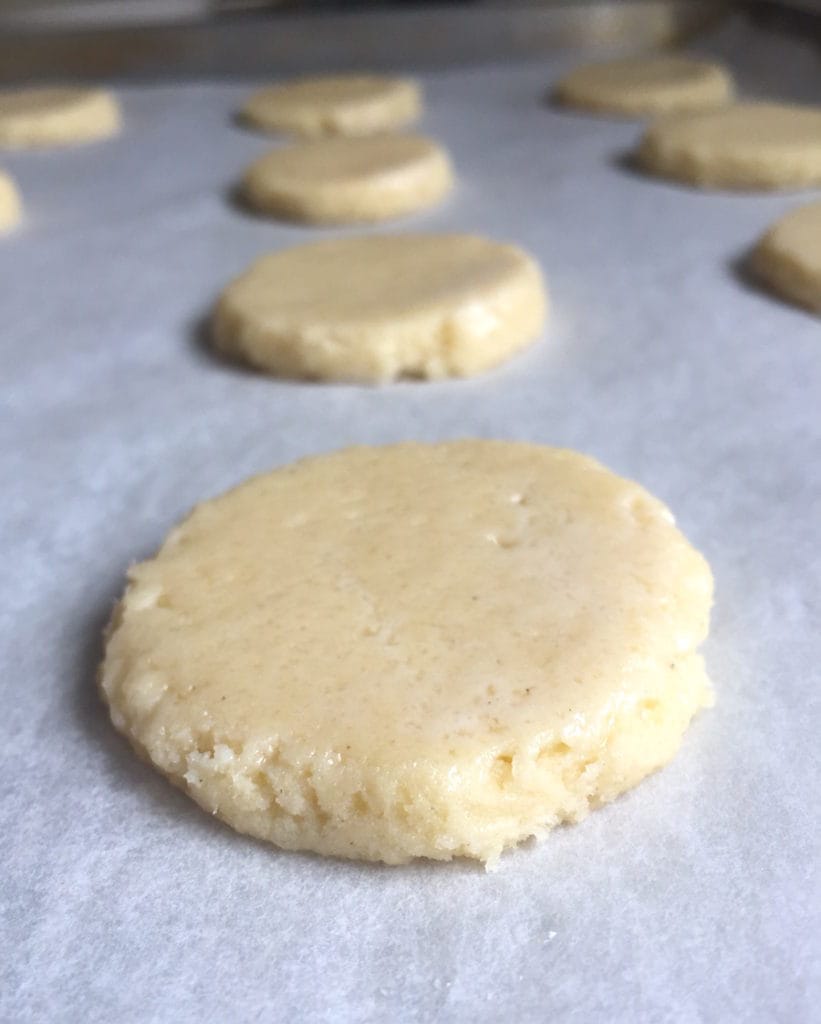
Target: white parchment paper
pixel 694 898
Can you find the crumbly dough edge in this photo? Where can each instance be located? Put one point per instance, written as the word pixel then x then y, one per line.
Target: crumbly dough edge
pixel 283 793
pixel 431 344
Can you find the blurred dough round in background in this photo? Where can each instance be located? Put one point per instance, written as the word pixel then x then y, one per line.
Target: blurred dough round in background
pixel 788 257
pixel 744 146
pixel 642 86
pixel 379 307
pixel 339 180
pixel 335 105
pixel 49 116
pixel 11 209
pixel 419 650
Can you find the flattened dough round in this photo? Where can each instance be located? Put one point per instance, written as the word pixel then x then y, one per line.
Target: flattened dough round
pixel 788 257
pixel 413 651
pixel 335 105
pixel 340 181
pixel 640 86
pixel 379 307
pixel 11 209
pixel 48 116
pixel 745 146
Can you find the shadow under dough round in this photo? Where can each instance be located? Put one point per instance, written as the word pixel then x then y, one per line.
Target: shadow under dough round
pixel 56 116
pixel 642 86
pixel 11 208
pixel 743 146
pixel 788 257
pixel 334 105
pixel 379 307
pixel 421 650
pixel 348 180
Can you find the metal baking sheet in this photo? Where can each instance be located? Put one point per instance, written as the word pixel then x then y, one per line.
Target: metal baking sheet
pixel 427 36
pixel 694 898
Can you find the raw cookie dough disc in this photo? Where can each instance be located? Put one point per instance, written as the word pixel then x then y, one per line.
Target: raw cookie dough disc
pixel 788 257
pixel 383 306
pixel 56 116
pixel 413 651
pixel 646 85
pixel 749 145
pixel 335 105
pixel 11 209
pixel 339 181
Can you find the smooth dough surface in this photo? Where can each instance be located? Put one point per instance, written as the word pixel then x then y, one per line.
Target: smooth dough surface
pixel 335 105
pixel 745 146
pixel 339 180
pixel 788 257
pixel 646 85
pixel 413 651
pixel 11 209
pixel 383 306
pixel 47 116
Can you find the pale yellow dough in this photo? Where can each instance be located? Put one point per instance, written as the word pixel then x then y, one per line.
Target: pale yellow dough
pixel 788 257
pixel 413 651
pixel 745 146
pixel 335 105
pixel 11 209
pixel 48 116
pixel 339 181
pixel 641 86
pixel 379 307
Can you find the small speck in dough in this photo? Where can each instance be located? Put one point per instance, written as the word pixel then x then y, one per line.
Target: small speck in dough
pixel 379 307
pixel 342 181
pixel 335 105
pixel 744 146
pixel 49 116
pixel 11 209
pixel 788 257
pixel 413 651
pixel 642 86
